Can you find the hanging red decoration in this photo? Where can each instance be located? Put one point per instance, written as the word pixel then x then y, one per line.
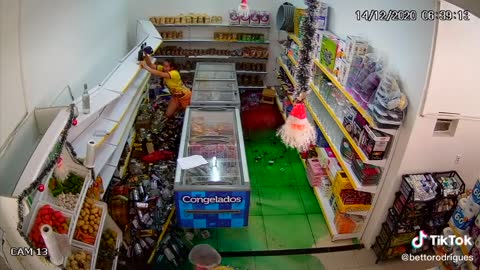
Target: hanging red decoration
pixel 297 132
pixel 74 122
pixel 41 188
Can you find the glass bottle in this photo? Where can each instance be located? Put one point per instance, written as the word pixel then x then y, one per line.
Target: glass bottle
pixel 85 100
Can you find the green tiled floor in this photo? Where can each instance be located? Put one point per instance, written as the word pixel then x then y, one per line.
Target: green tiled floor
pixel 284 213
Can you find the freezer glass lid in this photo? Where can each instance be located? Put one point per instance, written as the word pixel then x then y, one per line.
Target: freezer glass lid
pixel 213 135
pixel 214 96
pixel 215 67
pixel 215 75
pixel 215 85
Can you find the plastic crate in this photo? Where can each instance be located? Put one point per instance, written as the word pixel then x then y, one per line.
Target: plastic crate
pixel 110 224
pixel 460 185
pixel 409 191
pixel 32 216
pixel 405 208
pixel 398 226
pixel 79 247
pixel 391 239
pixel 103 206
pixel 80 171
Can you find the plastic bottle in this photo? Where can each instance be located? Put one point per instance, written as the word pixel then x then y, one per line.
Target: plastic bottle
pixel 85 100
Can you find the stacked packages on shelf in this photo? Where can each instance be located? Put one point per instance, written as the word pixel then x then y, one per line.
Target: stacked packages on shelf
pixel 246 52
pixel 424 203
pixel 365 77
pixel 255 18
pixel 190 18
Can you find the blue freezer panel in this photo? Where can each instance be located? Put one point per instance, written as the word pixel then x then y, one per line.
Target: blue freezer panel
pixel 212 209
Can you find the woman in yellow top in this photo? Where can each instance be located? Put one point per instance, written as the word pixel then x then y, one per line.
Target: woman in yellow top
pixel 181 95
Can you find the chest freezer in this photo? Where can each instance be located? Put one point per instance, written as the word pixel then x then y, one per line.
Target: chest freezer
pixel 215 71
pixel 217 194
pixel 215 98
pixel 230 86
pixel 214 66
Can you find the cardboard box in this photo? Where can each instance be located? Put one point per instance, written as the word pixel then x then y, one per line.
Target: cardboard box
pixel 374 143
pixel 298 16
pixel 355 46
pixel 328 51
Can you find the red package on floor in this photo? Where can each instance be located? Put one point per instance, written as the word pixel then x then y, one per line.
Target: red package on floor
pixel 158 155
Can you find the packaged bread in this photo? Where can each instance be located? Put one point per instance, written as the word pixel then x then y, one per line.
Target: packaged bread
pixel 161 20
pixel 208 20
pixel 153 20
pixel 177 20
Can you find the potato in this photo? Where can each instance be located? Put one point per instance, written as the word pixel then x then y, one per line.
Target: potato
pixel 95 227
pixel 92 217
pixel 87 212
pixel 94 210
pixel 90 201
pixel 90 230
pixel 81 223
pixel 85 227
pixel 82 213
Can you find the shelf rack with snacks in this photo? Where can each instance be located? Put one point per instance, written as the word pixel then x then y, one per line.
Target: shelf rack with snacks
pixel 114 104
pixel 225 38
pixel 214 25
pixel 333 130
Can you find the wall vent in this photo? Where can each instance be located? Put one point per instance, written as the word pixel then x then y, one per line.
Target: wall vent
pixel 445 127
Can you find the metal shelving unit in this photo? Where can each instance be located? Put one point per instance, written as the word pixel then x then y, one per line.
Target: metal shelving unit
pixel 329 116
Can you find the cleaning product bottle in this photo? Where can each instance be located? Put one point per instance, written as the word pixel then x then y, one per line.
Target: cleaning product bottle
pixel 85 100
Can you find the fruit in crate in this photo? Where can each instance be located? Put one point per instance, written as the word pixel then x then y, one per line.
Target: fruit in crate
pixel 47 215
pixel 79 260
pixel 95 191
pixel 73 184
pixel 88 222
pixel 107 249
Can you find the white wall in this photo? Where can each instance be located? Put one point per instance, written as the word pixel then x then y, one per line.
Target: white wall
pixel 143 9
pixel 12 99
pixel 70 43
pixel 44 46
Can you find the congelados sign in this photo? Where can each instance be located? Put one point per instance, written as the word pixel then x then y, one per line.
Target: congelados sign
pixel 211 200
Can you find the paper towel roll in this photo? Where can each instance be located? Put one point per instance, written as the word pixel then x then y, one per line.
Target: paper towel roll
pixel 54 251
pixel 90 158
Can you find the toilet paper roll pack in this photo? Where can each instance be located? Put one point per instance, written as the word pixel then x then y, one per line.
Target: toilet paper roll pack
pixel 462 218
pixel 475 229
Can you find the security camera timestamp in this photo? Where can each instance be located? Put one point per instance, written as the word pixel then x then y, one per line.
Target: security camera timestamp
pixel 412 15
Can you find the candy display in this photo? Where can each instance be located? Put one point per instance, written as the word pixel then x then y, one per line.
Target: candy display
pixel 79 260
pixel 247 52
pixel 317 175
pixel 367 174
pixel 48 215
pixel 190 18
pixel 222 36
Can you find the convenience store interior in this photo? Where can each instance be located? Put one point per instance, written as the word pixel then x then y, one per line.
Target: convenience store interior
pixel 343 202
